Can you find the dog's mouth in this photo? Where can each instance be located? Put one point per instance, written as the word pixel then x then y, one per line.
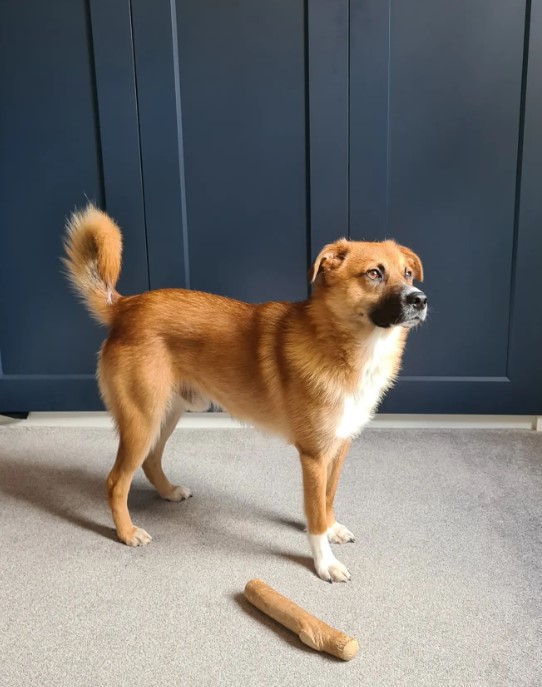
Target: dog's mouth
pixel 404 309
pixel 406 321
pixel 414 321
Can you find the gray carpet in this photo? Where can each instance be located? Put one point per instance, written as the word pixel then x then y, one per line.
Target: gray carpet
pixel 446 571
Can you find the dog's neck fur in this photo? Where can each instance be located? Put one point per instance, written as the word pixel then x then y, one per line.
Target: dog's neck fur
pixel 348 349
pixel 377 372
pixel 357 363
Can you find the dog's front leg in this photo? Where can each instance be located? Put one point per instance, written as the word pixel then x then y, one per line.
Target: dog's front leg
pixel 336 533
pixel 315 470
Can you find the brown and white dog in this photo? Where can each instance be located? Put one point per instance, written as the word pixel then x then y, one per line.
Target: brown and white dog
pixel 312 372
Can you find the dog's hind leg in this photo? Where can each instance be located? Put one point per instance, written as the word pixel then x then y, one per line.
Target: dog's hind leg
pixel 153 462
pixel 136 438
pixel 139 411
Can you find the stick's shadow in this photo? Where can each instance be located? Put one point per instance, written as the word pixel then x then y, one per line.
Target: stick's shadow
pixel 272 625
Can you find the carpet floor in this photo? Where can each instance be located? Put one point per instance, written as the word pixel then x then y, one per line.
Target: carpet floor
pixel 446 570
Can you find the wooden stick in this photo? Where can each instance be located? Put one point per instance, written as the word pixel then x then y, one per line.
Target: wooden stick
pixel 312 631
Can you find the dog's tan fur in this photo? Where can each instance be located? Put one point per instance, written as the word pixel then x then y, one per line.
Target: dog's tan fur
pixel 286 367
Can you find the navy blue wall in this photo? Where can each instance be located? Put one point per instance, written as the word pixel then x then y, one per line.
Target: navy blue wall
pixel 231 141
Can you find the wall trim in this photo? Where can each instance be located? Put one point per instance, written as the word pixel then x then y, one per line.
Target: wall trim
pixel 224 421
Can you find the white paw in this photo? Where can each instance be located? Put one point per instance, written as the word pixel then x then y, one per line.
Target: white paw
pixel 178 494
pixel 333 571
pixel 327 566
pixel 138 537
pixel 339 534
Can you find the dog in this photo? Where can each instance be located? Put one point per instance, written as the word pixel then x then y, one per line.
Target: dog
pixel 312 372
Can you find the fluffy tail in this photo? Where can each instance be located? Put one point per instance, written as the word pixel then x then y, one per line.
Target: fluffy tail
pixel 93 246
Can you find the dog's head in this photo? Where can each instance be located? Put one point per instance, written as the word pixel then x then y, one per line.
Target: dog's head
pixel 371 283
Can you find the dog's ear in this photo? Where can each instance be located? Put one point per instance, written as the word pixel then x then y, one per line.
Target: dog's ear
pixel 414 262
pixel 329 258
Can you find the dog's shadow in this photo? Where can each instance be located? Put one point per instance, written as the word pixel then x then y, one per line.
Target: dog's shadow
pixel 70 492
pixel 53 490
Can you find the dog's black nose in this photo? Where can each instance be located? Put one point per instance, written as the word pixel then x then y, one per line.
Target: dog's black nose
pixel 417 298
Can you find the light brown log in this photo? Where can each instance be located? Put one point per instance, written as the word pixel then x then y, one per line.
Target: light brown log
pixel 311 631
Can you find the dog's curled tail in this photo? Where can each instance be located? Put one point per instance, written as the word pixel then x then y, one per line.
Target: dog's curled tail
pixel 93 247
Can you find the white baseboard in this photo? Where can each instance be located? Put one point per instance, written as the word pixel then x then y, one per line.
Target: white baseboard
pixel 224 421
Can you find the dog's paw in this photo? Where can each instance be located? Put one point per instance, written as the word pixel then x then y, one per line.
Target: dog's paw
pixel 339 534
pixel 333 571
pixel 177 494
pixel 136 537
pixel 327 566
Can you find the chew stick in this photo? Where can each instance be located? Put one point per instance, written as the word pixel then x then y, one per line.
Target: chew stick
pixel 312 631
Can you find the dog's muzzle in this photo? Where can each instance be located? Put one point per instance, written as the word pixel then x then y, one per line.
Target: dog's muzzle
pixel 407 307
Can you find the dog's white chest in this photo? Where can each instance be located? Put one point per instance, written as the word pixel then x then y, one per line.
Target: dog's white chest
pixel 357 408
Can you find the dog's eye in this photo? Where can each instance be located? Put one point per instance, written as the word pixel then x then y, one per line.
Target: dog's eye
pixel 375 275
pixel 408 274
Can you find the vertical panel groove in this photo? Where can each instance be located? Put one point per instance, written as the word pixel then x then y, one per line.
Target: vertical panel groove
pixel 388 128
pixel 139 147
pixel 94 95
pixel 307 136
pixel 517 199
pixel 180 139
pixel 348 218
